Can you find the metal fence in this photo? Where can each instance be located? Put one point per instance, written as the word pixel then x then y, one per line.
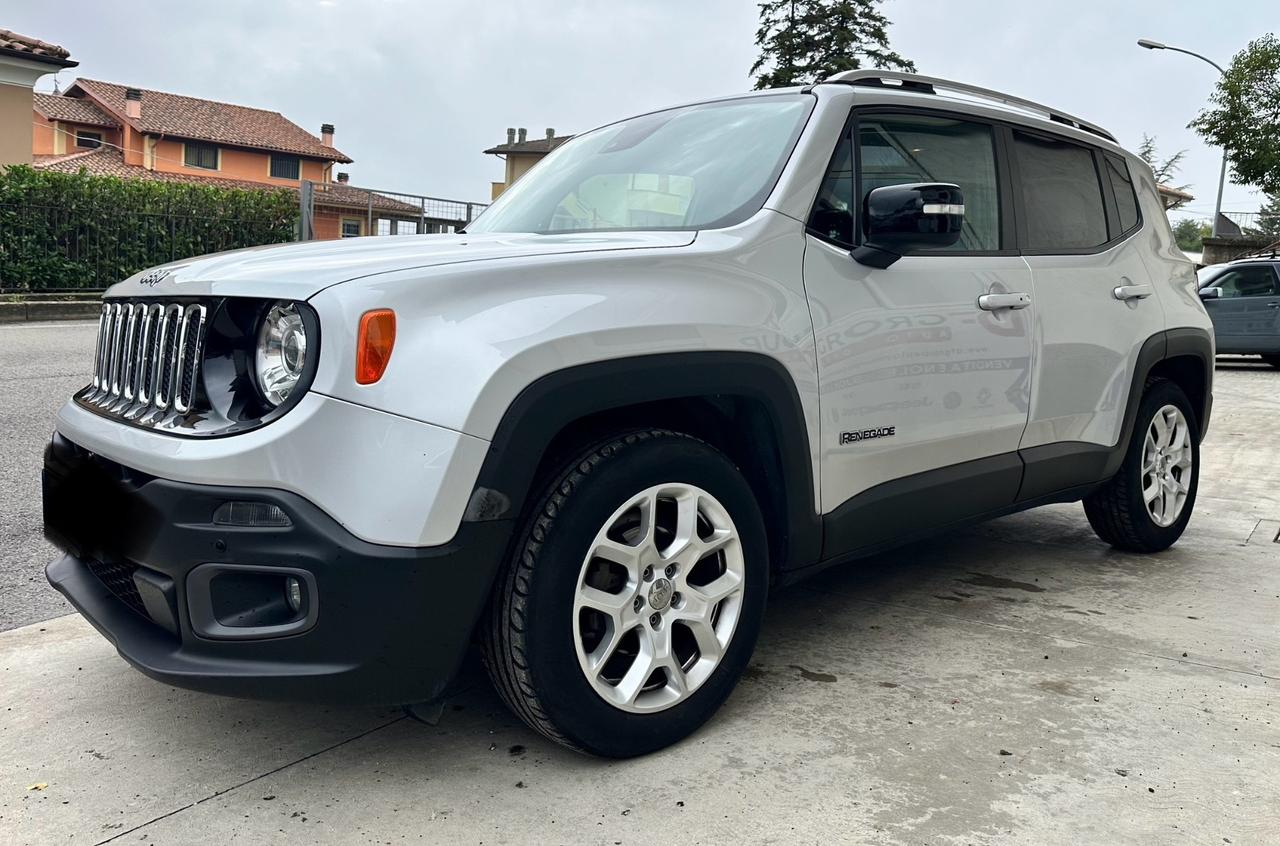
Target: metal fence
pixel 342 210
pixel 66 247
pixel 1254 223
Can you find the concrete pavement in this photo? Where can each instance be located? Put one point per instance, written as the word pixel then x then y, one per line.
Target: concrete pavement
pixel 1014 683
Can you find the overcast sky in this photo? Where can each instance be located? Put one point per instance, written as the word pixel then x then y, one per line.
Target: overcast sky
pixel 418 89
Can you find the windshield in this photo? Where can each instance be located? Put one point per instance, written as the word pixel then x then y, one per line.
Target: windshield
pixel 696 167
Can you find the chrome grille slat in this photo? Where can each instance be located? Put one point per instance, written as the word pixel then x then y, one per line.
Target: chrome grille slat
pixel 147 359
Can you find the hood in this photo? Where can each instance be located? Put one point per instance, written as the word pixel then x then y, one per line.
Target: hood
pixel 298 271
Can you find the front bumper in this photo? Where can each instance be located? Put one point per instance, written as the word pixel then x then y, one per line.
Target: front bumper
pixel 389 625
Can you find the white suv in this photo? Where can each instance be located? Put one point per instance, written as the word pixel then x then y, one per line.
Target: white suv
pixel 691 356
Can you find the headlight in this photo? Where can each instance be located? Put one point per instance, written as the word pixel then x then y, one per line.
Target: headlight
pixel 282 352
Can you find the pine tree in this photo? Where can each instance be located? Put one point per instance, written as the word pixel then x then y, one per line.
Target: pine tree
pixel 804 41
pixel 1269 217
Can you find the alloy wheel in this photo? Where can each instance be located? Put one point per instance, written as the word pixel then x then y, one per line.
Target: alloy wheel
pixel 1166 465
pixel 658 598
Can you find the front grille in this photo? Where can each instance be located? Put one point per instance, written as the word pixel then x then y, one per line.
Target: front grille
pixel 118 577
pixel 147 362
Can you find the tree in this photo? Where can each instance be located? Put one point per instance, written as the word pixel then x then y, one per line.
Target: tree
pixel 1165 171
pixel 1269 217
pixel 1245 117
pixel 1190 234
pixel 804 41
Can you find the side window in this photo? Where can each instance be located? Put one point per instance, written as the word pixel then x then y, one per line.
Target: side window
pixel 1061 195
pixel 899 149
pixel 1256 281
pixel 1122 187
pixel 832 216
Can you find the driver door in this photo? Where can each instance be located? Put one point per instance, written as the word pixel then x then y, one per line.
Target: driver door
pixel 923 393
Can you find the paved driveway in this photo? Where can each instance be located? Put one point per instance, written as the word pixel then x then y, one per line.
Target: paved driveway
pixel 1013 683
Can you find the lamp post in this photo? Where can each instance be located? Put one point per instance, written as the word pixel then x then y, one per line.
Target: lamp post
pixel 1222 177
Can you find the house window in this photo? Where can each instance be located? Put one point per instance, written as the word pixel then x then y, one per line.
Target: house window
pixel 351 227
pixel 285 167
pixel 89 140
pixel 200 155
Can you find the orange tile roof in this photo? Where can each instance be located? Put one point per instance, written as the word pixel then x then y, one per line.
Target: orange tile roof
pixel 71 109
pixel 35 49
pixel 209 120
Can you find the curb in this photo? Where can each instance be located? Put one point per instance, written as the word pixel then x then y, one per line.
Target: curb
pixel 48 310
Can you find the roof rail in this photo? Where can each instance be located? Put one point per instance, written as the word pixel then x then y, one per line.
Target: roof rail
pixel 931 85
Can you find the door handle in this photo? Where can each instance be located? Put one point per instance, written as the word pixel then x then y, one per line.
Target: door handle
pixel 1133 292
pixel 995 302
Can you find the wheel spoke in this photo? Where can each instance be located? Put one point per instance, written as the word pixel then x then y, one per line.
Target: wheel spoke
pixel 605 649
pixel 721 588
pixel 1160 429
pixel 637 674
pixel 708 643
pixel 619 553
pixel 1151 491
pixel 611 605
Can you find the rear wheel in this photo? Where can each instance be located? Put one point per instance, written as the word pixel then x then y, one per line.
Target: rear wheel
pixel 1147 504
pixel 633 602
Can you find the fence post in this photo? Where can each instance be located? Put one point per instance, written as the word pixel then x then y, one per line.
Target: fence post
pixel 368 225
pixel 306 199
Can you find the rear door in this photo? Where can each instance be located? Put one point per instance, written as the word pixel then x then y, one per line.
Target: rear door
pixel 1079 225
pixel 1246 317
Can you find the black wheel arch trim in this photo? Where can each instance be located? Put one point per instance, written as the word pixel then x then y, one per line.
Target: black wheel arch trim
pixel 557 400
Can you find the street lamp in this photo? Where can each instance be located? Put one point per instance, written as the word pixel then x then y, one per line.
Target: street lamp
pixel 1222 178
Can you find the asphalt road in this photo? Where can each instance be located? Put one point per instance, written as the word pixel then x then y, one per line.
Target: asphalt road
pixel 41 364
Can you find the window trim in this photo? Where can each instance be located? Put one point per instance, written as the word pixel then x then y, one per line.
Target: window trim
pixel 97 138
pixel 358 221
pixel 217 155
pixel 1012 214
pixel 271 158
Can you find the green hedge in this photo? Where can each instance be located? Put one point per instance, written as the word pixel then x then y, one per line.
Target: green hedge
pixel 86 231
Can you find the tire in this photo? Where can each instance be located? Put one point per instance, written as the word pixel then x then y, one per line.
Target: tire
pixel 1273 360
pixel 543 631
pixel 1119 512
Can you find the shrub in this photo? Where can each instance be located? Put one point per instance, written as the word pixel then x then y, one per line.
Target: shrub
pixel 87 231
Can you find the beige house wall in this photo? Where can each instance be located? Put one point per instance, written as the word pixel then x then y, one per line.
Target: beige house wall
pixel 15 124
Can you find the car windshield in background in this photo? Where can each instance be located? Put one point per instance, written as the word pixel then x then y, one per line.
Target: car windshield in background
pixel 696 167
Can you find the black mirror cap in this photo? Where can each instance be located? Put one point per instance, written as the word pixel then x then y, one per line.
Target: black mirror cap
pixel 897 219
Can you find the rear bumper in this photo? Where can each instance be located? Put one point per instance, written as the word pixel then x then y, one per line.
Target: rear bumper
pixel 385 624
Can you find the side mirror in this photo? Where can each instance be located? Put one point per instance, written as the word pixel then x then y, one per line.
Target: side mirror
pixel 899 218
pixel 1211 293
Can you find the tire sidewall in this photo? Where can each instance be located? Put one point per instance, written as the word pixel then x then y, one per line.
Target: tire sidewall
pixel 568 698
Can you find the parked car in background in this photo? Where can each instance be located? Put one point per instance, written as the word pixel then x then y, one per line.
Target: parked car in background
pixel 1243 300
pixel 686 358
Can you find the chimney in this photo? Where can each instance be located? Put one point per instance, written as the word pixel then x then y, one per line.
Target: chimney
pixel 326 134
pixel 551 133
pixel 511 135
pixel 132 103
pixel 344 177
pixel 521 135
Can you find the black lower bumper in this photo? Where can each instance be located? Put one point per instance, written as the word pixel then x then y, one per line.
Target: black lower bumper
pixel 386 625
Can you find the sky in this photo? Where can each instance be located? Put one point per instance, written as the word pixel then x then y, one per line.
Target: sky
pixel 419 88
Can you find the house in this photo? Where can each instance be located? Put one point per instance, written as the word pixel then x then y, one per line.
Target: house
pixel 115 130
pixel 521 154
pixel 23 60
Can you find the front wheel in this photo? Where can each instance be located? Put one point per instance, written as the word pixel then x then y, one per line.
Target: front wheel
pixel 1147 504
pixel 633 602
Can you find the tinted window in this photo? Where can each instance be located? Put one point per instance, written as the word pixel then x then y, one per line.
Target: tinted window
pixel 285 167
pixel 900 149
pixel 1255 281
pixel 201 155
pixel 1061 197
pixel 832 216
pixel 1122 187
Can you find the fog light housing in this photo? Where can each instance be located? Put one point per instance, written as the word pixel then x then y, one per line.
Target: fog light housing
pixel 251 514
pixel 293 594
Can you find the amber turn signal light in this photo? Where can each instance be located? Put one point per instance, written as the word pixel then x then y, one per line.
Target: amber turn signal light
pixel 373 346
